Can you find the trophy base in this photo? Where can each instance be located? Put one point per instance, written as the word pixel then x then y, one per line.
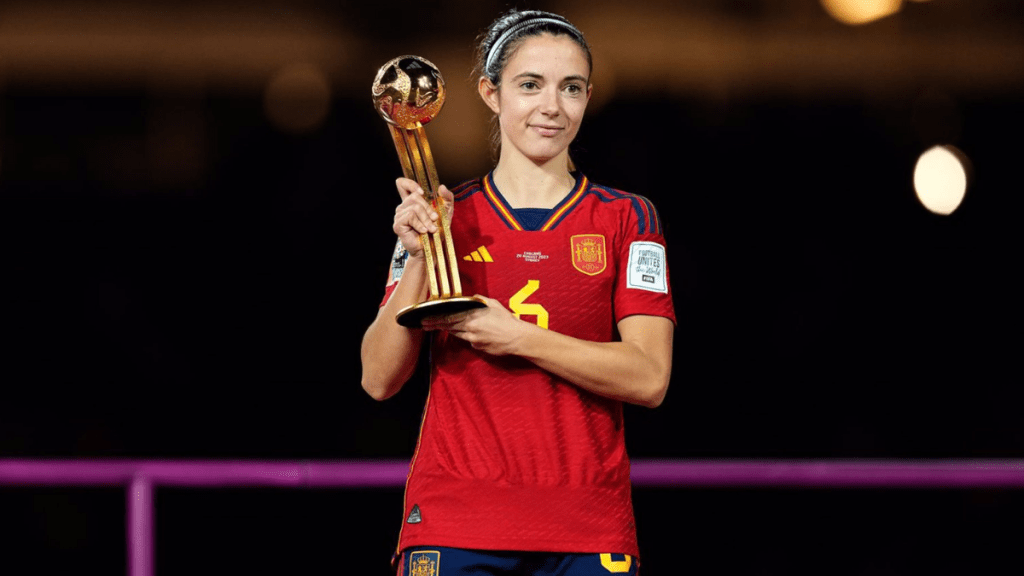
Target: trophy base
pixel 412 316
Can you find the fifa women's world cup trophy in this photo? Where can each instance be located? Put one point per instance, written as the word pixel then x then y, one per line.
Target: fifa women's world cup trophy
pixel 408 93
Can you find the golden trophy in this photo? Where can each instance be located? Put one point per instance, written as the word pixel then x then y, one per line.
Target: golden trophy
pixel 408 93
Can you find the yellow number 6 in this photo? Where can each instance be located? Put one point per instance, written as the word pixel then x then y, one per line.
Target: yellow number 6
pixel 519 308
pixel 616 566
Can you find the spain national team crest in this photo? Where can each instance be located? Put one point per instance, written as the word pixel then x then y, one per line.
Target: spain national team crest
pixel 589 254
pixel 424 563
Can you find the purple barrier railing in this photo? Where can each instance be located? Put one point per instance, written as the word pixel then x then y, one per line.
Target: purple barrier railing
pixel 141 476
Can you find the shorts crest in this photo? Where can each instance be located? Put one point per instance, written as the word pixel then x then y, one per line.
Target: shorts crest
pixel 424 563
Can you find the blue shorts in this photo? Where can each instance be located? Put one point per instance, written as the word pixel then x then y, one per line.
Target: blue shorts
pixel 440 561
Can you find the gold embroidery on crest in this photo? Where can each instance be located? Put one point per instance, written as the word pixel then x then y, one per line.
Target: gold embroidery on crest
pixel 589 254
pixel 424 563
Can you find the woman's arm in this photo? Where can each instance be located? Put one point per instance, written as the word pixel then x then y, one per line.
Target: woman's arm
pixel 390 351
pixel 635 369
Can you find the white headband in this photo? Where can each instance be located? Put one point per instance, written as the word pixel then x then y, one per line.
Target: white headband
pixel 504 38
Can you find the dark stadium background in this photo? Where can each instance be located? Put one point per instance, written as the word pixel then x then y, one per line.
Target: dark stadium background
pixel 184 279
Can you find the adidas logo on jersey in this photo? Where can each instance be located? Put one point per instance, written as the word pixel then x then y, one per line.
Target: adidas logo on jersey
pixel 479 255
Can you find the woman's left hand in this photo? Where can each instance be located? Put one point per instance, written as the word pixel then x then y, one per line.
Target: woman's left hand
pixel 493 329
pixel 635 369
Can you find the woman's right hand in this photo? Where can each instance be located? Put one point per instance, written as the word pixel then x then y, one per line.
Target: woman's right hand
pixel 415 215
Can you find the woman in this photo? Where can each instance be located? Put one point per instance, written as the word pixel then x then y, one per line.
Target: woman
pixel 521 464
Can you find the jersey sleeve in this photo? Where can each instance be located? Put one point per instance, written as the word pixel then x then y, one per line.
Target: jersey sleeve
pixel 642 284
pixel 398 260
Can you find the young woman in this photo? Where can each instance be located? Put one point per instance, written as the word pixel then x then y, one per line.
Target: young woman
pixel 521 465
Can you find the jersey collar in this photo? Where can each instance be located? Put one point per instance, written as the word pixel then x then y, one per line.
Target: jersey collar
pixel 558 213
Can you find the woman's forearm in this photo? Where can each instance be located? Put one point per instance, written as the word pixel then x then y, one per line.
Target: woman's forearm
pixel 634 370
pixel 390 351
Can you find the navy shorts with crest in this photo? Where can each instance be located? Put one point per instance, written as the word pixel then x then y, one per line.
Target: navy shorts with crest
pixel 440 561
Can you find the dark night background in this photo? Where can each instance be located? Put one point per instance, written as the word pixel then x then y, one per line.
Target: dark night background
pixel 185 278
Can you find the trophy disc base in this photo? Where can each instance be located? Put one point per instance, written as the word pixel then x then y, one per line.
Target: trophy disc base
pixel 412 316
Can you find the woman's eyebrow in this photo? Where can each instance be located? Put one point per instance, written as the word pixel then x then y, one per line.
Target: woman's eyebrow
pixel 541 76
pixel 528 75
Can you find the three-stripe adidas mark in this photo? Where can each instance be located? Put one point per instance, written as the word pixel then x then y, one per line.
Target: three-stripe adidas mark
pixel 479 255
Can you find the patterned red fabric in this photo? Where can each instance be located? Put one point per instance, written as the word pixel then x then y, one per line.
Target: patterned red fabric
pixel 511 457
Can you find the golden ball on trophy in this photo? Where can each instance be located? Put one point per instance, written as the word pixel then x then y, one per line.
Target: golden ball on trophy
pixel 408 91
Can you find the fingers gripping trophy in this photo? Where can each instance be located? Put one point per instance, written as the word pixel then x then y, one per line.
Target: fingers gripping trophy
pixel 408 93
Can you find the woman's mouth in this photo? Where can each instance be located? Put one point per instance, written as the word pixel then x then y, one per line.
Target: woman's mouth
pixel 546 130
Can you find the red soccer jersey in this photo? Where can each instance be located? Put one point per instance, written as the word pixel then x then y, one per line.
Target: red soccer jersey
pixel 512 457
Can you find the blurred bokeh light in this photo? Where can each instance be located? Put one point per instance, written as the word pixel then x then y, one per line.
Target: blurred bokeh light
pixel 297 98
pixel 940 179
pixel 860 11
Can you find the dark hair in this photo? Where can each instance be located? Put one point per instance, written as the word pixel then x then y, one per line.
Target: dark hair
pixel 505 34
pixel 497 44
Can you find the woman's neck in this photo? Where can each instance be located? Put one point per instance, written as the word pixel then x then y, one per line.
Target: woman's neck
pixel 526 184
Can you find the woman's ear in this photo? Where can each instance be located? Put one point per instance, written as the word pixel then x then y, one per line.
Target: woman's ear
pixel 489 94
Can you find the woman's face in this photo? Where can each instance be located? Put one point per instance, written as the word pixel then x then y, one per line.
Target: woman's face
pixel 543 94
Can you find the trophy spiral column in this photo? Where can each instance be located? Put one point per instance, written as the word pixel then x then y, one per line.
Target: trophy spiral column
pixel 408 93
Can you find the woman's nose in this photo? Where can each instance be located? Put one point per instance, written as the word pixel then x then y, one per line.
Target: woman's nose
pixel 549 102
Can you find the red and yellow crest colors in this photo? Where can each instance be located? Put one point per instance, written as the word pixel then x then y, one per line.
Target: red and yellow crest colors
pixel 589 254
pixel 424 563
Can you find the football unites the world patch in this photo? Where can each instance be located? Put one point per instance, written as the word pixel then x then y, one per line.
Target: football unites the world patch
pixel 647 267
pixel 589 254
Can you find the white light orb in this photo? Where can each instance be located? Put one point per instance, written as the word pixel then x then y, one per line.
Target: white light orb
pixel 940 179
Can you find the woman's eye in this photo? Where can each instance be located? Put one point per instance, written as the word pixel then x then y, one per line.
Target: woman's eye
pixel 573 89
pixel 528 85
